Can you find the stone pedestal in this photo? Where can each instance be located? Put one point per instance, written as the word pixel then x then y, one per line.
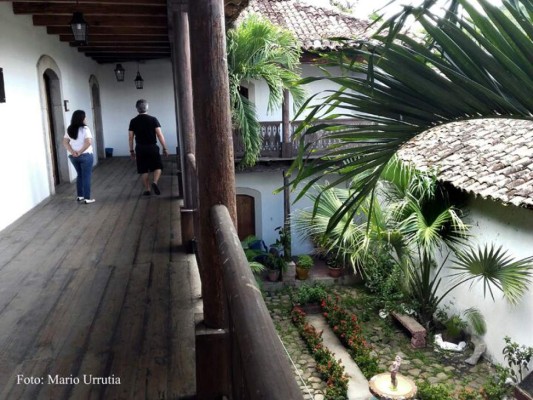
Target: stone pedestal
pixel 289 275
pixel 380 386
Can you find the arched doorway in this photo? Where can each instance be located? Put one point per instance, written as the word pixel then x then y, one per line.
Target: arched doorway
pixel 97 117
pixel 245 216
pixel 54 127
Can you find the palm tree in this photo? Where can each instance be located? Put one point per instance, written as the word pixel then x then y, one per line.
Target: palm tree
pixel 473 64
pixel 413 220
pixel 260 50
pixel 477 64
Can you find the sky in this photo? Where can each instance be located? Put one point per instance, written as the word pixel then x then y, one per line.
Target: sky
pixel 365 7
pixel 362 10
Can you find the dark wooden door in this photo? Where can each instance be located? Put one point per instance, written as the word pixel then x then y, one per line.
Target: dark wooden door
pixel 245 216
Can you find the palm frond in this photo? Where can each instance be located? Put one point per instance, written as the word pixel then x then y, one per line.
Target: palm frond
pixel 495 269
pixel 476 320
pixel 477 66
pixel 260 50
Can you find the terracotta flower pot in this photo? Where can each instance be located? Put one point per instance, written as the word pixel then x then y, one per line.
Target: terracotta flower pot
pixel 273 275
pixel 302 273
pixel 335 272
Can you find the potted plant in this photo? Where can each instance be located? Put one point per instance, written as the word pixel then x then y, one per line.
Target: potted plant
pixel 304 263
pixel 275 264
pixel 334 266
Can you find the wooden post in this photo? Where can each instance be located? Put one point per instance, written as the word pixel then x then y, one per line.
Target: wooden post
pixel 182 70
pixel 181 61
pixel 214 145
pixel 286 145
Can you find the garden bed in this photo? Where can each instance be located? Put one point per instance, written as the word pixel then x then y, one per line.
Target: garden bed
pixel 424 366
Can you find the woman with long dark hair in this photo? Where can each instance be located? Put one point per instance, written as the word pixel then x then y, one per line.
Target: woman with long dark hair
pixel 78 142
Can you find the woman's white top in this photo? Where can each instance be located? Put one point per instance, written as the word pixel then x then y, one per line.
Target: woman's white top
pixel 83 133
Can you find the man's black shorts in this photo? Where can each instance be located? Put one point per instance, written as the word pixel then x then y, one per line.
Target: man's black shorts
pixel 148 158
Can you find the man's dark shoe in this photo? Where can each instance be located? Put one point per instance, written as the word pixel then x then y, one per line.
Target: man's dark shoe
pixel 155 188
pixel 146 193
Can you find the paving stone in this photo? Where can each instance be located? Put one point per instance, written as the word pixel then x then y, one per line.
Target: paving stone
pixel 442 376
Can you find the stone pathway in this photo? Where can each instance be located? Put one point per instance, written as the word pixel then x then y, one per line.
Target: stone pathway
pixel 357 385
pixel 421 365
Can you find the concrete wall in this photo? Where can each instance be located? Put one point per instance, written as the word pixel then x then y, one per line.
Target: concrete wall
pixel 512 228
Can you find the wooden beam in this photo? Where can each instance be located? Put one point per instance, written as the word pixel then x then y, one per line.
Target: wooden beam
pixel 111 31
pixel 125 47
pixel 89 9
pixel 101 20
pixel 139 50
pixel 135 55
pixel 123 2
pixel 117 39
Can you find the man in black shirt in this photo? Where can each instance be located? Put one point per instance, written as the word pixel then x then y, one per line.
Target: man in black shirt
pixel 147 130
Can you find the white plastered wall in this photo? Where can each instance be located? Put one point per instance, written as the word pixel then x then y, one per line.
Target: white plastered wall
pixel 24 144
pixel 24 155
pixel 269 206
pixel 118 102
pixel 258 92
pixel 512 228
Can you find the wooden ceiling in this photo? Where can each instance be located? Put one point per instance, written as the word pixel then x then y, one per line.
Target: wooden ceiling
pixel 119 30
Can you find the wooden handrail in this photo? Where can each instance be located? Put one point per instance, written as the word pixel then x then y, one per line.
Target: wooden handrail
pixel 266 371
pixel 272 140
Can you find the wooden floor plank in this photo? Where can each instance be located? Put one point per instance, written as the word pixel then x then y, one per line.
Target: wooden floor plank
pixel 185 297
pixel 99 290
pixel 155 357
pixel 127 343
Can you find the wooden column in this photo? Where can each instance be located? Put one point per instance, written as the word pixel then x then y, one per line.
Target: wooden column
pixel 286 145
pixel 214 145
pixel 181 61
pixel 182 68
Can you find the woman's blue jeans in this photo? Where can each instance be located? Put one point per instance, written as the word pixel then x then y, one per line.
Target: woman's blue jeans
pixel 84 168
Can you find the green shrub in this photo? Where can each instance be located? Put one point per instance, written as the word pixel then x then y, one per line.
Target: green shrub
pixel 309 294
pixel 468 394
pixel 427 391
pixel 497 388
pixel 305 261
pixel 347 328
pixel 331 370
pixel 518 358
pixel 383 278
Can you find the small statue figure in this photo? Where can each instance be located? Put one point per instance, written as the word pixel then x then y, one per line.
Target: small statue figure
pixel 395 367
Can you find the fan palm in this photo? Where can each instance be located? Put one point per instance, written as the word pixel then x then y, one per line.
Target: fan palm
pixel 259 50
pixel 477 65
pixel 414 220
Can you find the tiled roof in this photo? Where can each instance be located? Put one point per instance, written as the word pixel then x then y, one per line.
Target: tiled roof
pixel 491 158
pixel 313 26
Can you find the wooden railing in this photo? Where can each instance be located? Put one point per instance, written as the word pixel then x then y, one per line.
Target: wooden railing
pixel 272 135
pixel 260 368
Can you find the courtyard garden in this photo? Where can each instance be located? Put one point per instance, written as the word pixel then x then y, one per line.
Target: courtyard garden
pixel 411 249
pixel 373 341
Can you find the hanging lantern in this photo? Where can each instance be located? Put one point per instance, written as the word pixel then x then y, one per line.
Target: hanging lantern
pixel 120 73
pixel 2 89
pixel 79 28
pixel 139 81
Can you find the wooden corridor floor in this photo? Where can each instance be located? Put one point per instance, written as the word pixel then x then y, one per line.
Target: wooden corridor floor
pixel 98 301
